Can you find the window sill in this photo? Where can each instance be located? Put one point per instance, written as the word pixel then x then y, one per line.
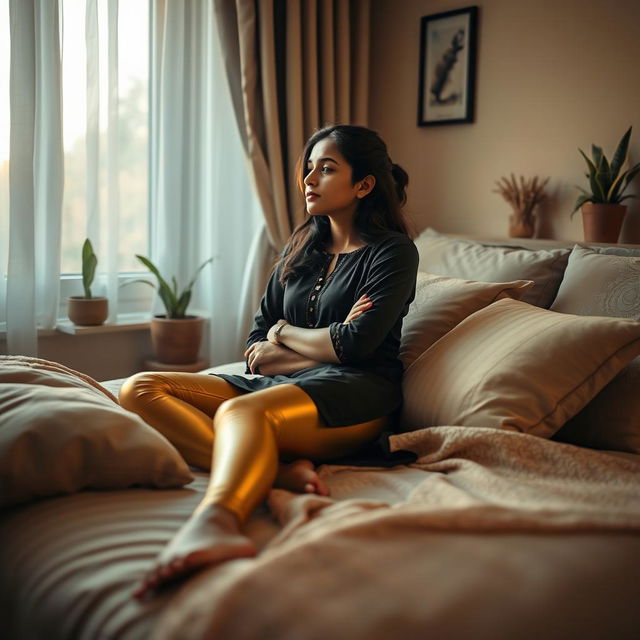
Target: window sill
pixel 125 322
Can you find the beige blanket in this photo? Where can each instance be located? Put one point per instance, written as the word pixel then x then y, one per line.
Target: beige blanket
pixel 493 541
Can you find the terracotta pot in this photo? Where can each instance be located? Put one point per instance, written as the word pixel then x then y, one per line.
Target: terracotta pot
pixel 602 222
pixel 87 311
pixel 176 340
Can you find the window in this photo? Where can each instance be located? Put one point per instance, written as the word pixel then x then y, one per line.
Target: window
pixel 132 160
pixel 133 88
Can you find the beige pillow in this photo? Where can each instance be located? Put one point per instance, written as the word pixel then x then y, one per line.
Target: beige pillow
pixel 605 282
pixel 28 370
pixel 446 256
pixel 59 439
pixel 515 366
pixel 441 303
pixel 597 284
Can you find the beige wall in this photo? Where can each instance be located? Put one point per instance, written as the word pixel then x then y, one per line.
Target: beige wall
pixel 552 75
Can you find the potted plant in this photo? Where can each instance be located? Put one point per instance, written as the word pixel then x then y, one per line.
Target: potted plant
pixel 88 310
pixel 175 336
pixel 602 209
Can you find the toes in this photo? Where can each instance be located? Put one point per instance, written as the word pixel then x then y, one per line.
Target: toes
pixel 156 578
pixel 321 488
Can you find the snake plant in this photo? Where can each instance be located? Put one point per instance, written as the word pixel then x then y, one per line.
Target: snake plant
pixel 175 302
pixel 89 264
pixel 606 180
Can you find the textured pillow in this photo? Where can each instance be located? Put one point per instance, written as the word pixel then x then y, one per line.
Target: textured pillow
pixel 441 303
pixel 57 438
pixel 447 256
pixel 518 367
pixel 597 284
pixel 605 282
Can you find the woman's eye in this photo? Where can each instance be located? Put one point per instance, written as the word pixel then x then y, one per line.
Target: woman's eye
pixel 326 169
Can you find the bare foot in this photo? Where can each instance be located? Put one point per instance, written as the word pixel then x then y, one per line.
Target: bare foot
pixel 210 536
pixel 300 476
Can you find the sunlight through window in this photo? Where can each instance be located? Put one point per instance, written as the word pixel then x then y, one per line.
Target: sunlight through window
pixel 133 74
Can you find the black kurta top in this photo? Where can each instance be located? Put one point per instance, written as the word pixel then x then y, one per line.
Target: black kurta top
pixel 366 383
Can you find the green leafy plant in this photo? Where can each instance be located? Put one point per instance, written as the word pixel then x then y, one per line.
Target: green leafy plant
pixel 89 264
pixel 606 181
pixel 175 302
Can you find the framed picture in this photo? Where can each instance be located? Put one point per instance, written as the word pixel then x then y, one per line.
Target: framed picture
pixel 447 67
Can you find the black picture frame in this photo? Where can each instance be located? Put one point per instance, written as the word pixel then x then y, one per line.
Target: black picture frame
pixel 448 43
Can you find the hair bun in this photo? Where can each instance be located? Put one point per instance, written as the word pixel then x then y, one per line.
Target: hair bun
pixel 401 179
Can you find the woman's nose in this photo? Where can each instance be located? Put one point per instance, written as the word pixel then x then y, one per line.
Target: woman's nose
pixel 310 177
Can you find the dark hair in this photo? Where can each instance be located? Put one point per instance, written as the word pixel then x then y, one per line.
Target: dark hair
pixel 378 212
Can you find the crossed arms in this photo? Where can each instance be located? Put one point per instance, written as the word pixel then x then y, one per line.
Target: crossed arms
pixel 296 348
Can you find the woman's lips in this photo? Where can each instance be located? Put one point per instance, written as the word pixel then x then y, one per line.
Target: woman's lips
pixel 310 195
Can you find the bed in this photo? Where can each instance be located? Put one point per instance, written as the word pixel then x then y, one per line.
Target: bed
pixel 519 515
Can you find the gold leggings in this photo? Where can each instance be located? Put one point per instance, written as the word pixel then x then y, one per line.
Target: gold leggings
pixel 253 430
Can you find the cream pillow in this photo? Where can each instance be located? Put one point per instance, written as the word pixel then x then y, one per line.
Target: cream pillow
pixel 605 282
pixel 518 367
pixel 596 284
pixel 59 438
pixel 441 303
pixel 446 256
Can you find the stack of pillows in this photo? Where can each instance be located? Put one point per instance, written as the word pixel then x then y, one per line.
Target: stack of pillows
pixel 544 342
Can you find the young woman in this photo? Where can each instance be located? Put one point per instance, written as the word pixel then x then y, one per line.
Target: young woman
pixel 325 340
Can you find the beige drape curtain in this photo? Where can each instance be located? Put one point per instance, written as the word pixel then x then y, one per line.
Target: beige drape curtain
pixel 292 66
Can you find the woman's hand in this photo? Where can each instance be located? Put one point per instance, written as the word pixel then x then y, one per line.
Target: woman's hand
pixel 362 304
pixel 261 353
pixel 269 359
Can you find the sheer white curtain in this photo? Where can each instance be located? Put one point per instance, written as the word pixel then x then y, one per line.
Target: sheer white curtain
pixel 201 200
pixel 36 173
pixel 37 165
pixel 103 214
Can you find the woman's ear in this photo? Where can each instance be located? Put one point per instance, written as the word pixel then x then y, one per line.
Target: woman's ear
pixel 366 186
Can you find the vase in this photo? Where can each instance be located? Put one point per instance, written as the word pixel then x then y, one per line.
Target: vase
pixel 176 340
pixel 519 228
pixel 602 222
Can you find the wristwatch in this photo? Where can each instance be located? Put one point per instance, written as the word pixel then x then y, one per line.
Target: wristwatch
pixel 276 333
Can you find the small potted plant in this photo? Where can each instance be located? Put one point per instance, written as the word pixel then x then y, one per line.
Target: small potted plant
pixel 175 336
pixel 602 209
pixel 88 310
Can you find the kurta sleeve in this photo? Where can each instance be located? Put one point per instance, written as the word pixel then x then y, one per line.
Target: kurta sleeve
pixel 390 284
pixel 271 309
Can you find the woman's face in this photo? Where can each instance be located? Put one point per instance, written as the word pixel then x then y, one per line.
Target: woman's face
pixel 329 190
